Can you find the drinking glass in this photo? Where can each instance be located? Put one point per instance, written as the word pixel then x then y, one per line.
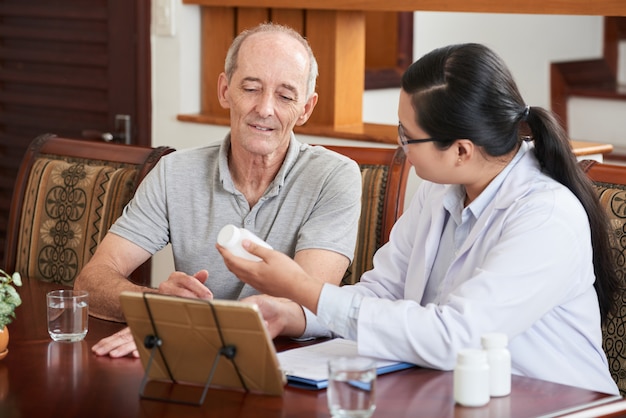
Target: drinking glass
pixel 68 312
pixel 351 387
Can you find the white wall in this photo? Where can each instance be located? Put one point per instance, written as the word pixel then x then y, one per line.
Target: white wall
pixel 528 43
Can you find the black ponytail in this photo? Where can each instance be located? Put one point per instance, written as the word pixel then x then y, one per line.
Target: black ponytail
pixel 553 150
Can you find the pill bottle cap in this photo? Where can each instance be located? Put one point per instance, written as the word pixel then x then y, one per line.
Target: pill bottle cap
pixel 494 340
pixel 471 356
pixel 228 236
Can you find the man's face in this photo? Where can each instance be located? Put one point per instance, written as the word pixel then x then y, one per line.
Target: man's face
pixel 267 92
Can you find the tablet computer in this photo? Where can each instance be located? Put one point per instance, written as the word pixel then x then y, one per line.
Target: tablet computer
pixel 215 343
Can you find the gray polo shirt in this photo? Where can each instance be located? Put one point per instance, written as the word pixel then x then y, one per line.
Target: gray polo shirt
pixel 314 202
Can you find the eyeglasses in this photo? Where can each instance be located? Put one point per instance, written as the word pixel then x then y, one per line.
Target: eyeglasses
pixel 405 140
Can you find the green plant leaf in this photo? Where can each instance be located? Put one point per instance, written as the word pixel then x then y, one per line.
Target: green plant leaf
pixel 17 279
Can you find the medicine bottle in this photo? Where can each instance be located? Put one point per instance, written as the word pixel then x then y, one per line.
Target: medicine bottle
pixel 471 378
pixel 230 237
pixel 499 359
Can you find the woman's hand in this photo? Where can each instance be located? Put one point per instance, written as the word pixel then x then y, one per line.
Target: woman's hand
pixel 276 275
pixel 282 316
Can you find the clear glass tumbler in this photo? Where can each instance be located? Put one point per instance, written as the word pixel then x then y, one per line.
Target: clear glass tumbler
pixel 351 387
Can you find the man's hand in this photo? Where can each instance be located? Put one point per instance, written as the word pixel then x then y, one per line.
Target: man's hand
pixel 122 343
pixel 117 345
pixel 181 284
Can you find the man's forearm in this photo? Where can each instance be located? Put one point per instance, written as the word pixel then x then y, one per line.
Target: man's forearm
pixel 104 286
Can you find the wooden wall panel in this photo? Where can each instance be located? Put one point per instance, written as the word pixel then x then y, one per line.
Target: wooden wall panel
pixel 564 7
pixel 218 31
pixel 248 17
pixel 294 18
pixel 338 40
pixel 381 40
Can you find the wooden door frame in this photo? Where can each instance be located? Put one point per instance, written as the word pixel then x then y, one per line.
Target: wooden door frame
pixel 140 69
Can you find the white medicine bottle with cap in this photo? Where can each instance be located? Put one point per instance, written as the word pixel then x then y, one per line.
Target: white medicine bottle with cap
pixel 471 378
pixel 230 237
pixel 499 359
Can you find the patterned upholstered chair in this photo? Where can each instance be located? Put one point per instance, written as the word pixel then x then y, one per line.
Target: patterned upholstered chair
pixel 610 183
pixel 67 194
pixel 384 172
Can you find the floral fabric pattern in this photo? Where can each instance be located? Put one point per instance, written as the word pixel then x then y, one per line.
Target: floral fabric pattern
pixel 613 199
pixel 69 206
pixel 374 181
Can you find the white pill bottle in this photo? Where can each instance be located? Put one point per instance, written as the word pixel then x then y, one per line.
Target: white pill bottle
pixel 471 378
pixel 230 237
pixel 499 359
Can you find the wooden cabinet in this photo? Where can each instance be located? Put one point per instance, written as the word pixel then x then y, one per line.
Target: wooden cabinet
pixel 336 31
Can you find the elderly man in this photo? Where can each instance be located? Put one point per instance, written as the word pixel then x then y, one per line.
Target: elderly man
pixel 303 200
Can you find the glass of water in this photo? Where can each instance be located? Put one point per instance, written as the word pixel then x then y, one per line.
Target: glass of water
pixel 68 312
pixel 351 387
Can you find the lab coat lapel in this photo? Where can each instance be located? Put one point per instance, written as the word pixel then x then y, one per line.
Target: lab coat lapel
pixel 430 234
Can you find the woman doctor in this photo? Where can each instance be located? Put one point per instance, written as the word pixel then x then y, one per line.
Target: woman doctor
pixel 505 234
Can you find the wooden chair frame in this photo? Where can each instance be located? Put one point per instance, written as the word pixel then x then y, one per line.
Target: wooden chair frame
pixel 397 179
pixel 603 172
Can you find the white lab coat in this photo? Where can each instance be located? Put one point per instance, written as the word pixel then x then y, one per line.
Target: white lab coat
pixel 525 270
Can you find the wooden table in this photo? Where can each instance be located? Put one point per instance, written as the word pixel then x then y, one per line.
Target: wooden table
pixel 42 378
